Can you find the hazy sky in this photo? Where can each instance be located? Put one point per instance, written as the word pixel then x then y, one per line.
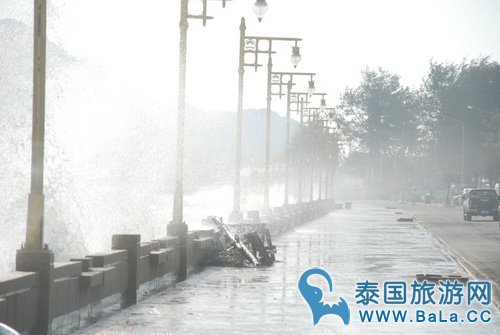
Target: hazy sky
pixel 136 41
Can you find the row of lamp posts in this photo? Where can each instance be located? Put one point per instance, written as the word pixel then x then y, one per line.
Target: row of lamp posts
pixel 34 255
pixel 322 126
pixel 256 46
pixel 279 79
pixel 177 227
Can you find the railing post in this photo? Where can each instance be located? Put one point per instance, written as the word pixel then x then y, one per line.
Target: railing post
pixel 131 243
pixel 41 262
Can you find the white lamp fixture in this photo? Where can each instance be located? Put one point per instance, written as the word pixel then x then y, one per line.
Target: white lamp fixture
pixel 323 105
pixel 311 88
pixel 260 8
pixel 296 57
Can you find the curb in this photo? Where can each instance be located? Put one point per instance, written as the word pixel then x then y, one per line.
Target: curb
pixel 471 270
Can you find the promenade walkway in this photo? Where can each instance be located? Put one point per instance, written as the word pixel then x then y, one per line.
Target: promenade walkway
pixel 365 243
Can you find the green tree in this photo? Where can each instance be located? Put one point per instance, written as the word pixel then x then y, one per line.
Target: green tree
pixel 470 93
pixel 380 119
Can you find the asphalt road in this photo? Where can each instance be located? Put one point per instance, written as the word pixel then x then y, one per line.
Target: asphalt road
pixel 475 245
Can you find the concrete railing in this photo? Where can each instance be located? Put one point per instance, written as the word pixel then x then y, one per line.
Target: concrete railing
pixel 87 289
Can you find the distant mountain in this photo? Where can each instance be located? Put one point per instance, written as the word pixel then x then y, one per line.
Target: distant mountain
pixel 214 145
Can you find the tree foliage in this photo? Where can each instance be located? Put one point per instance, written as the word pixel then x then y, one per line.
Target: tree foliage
pixel 413 137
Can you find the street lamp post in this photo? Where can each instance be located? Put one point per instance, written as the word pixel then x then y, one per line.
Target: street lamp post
pixel 34 255
pixel 489 113
pixel 323 130
pixel 330 133
pixel 281 79
pixel 335 130
pixel 287 141
pixel 297 102
pixel 252 45
pixel 463 144
pixel 327 159
pixel 313 114
pixel 326 162
pixel 329 174
pixel 177 227
pixel 301 148
pixel 34 231
pixel 470 107
pixel 320 181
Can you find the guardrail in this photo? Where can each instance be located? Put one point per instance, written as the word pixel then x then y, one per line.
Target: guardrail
pixel 84 290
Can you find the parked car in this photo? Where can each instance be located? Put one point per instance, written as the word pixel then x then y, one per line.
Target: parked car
pixel 480 202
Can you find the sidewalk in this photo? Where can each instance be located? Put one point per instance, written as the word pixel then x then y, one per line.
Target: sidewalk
pixel 365 243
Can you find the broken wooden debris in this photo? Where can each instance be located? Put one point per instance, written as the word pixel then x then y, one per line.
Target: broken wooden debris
pixel 242 245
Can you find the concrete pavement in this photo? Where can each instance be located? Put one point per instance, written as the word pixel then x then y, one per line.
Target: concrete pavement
pixel 366 243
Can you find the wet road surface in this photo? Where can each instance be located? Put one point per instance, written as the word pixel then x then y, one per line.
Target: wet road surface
pixel 476 243
pixel 365 243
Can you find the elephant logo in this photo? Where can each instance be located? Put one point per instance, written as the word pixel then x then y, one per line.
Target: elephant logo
pixel 314 295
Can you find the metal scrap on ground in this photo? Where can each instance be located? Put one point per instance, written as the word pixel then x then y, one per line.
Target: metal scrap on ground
pixel 253 249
